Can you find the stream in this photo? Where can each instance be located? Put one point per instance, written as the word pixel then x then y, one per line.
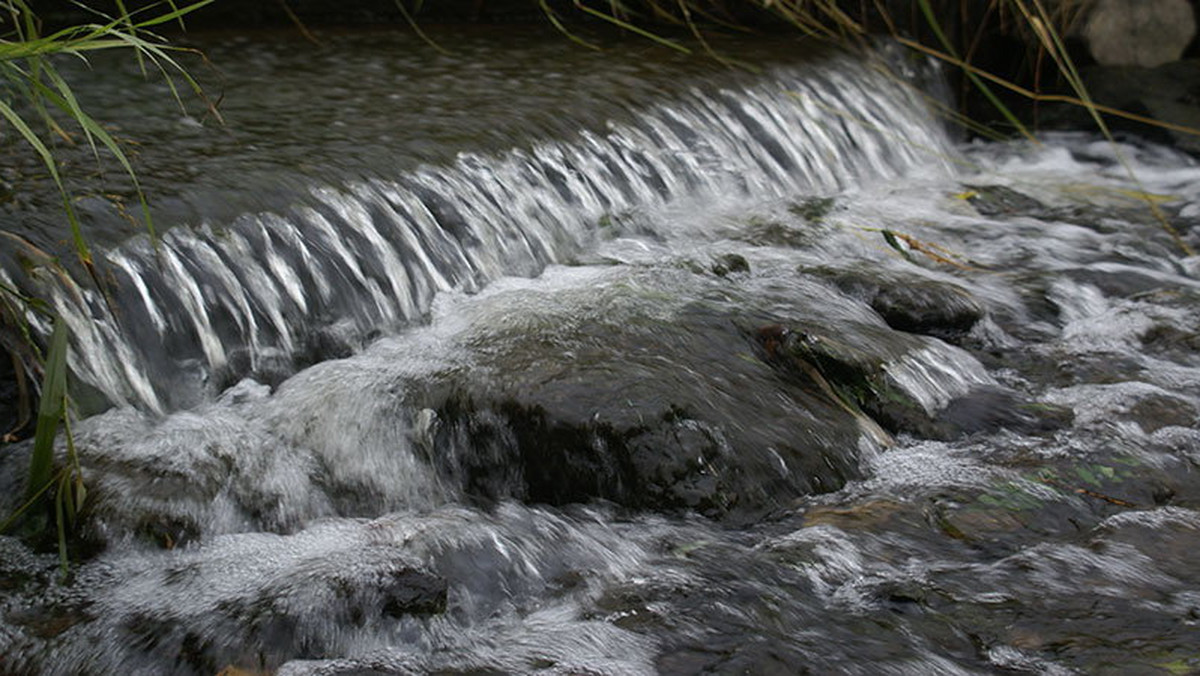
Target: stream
pixel 528 359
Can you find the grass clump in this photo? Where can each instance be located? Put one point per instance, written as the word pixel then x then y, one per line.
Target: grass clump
pixel 38 104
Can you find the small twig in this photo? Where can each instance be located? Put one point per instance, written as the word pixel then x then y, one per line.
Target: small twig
pixel 1091 494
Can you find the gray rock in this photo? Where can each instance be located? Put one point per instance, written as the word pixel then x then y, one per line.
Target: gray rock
pixel 1168 93
pixel 999 200
pixel 876 388
pixel 677 414
pixel 730 263
pixel 249 599
pixel 911 303
pixel 649 400
pixel 669 389
pixel 1144 33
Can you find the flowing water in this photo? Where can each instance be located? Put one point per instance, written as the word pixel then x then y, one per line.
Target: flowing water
pixel 519 360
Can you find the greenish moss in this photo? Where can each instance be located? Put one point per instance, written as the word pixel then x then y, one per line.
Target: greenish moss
pixel 814 209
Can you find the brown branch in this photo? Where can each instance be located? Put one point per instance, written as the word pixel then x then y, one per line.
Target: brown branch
pixel 1091 494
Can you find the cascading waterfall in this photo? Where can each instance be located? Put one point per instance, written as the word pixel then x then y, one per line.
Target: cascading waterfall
pixel 210 304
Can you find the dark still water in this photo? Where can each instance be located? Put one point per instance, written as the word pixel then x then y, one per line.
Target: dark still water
pixel 525 359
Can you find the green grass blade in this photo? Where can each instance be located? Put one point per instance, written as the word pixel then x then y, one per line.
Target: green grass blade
pixel 81 247
pixel 67 102
pixel 29 502
pixel 935 25
pixel 176 13
pixel 31 138
pixel 127 21
pixel 50 411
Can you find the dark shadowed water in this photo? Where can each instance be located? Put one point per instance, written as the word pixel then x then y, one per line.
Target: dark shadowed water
pixel 528 360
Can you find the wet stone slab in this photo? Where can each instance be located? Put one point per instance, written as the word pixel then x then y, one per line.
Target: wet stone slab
pixel 668 388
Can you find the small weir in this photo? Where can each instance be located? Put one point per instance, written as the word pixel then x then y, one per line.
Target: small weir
pixel 209 305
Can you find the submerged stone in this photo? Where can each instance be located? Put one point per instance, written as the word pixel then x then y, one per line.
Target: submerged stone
pixel 911 303
pixel 727 264
pixel 813 210
pixel 991 409
pixel 933 391
pixel 1157 411
pixel 169 482
pixel 250 600
pixel 999 200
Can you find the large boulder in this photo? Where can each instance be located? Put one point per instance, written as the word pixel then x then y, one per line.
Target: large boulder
pixel 677 390
pixel 1145 33
pixel 643 404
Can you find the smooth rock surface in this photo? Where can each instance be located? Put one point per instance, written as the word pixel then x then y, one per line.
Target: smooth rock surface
pixel 1145 33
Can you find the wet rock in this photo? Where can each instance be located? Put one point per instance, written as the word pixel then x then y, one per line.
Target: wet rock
pixel 1106 217
pixel 1093 368
pixel 1170 534
pixel 991 409
pixel 1145 33
pixel 913 304
pixel 1173 341
pixel 644 399
pixel 1157 412
pixel 892 393
pixel 1002 516
pixel 1150 407
pixel 928 308
pixel 21 568
pixel 813 210
pixel 247 600
pixel 775 232
pixel 854 378
pixel 981 524
pixel 168 482
pixel 999 200
pixel 1167 93
pixel 867 515
pixel 727 264
pixel 1119 281
pixel 685 424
